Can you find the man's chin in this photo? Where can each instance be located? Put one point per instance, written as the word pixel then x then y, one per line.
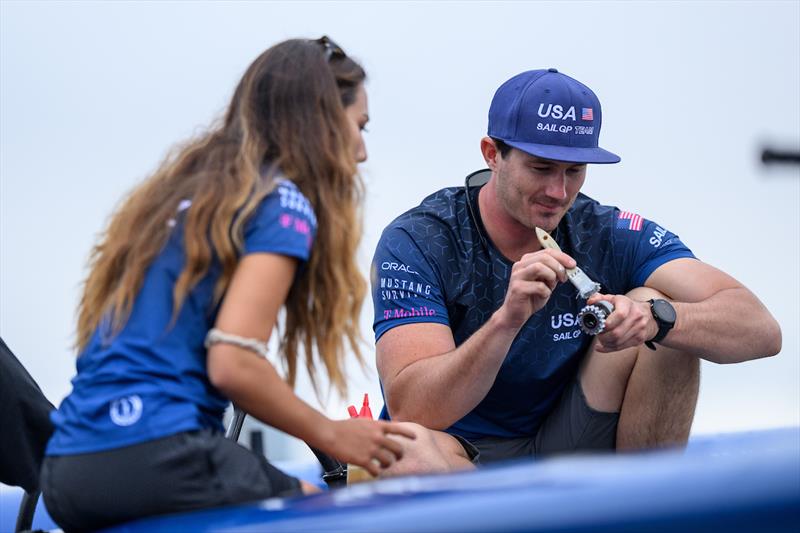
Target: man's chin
pixel 548 223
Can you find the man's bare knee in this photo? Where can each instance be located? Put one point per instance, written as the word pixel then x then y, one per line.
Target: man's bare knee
pixel 431 451
pixel 642 294
pixel 453 451
pixel 422 434
pixel 604 376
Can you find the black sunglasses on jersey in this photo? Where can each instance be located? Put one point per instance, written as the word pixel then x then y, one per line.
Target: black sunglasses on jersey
pixel 476 179
pixel 330 48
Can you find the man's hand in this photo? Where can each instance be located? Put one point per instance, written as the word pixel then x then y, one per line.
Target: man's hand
pixel 533 279
pixel 631 323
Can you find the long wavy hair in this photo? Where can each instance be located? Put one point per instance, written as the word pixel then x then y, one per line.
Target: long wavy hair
pixel 287 112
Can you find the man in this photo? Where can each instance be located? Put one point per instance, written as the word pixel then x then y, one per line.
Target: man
pixel 476 328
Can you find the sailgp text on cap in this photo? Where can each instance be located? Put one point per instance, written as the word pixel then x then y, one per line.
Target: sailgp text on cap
pixel 548 114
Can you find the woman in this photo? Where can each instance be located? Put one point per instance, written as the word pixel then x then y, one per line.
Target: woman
pixel 185 287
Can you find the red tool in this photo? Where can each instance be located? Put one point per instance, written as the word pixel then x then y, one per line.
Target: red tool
pixel 365 410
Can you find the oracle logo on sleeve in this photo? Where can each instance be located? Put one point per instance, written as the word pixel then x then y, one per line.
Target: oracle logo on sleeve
pixel 397 267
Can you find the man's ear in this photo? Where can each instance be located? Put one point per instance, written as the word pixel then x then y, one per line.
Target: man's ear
pixel 490 152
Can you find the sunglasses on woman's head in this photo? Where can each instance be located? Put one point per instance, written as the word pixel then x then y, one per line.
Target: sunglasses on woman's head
pixel 330 48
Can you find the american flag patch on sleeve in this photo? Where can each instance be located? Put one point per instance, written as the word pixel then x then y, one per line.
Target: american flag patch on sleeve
pixel 629 221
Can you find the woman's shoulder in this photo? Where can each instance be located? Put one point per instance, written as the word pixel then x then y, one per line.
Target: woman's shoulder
pixel 284 222
pixel 286 199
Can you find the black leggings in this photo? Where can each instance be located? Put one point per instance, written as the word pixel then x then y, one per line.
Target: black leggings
pixel 182 472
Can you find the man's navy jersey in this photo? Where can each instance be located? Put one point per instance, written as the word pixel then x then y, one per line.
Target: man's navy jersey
pixel 431 265
pixel 150 380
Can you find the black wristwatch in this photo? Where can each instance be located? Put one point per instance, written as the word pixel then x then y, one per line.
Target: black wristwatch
pixel 665 316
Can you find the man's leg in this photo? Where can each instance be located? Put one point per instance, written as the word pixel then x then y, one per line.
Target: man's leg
pixel 655 392
pixel 431 452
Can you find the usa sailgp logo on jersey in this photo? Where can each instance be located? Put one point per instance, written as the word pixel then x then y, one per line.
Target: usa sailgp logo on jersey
pixel 629 221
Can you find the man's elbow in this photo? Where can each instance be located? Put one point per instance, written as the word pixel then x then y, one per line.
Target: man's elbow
pixel 767 342
pixel 764 342
pixel 773 338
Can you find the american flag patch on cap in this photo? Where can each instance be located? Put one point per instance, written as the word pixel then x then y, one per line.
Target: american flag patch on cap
pixel 587 113
pixel 630 221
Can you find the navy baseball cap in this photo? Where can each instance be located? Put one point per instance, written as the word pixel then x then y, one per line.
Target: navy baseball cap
pixel 548 114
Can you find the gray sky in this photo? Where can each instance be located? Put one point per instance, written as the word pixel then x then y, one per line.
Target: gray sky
pixel 92 95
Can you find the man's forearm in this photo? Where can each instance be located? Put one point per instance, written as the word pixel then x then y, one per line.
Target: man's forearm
pixel 437 391
pixel 729 327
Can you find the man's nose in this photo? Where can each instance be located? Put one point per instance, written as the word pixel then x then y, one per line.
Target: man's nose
pixel 557 186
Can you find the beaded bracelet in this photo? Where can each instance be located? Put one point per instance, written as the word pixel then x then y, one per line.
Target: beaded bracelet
pixel 216 336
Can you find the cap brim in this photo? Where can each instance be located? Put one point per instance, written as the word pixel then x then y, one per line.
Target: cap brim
pixel 566 153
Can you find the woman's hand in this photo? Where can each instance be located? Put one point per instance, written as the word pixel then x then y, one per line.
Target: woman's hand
pixel 366 443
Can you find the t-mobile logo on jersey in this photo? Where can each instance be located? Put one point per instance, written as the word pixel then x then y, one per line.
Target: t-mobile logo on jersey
pixel 405 313
pixel 297 224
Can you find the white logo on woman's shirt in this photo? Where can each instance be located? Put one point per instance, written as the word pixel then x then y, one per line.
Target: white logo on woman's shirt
pixel 126 411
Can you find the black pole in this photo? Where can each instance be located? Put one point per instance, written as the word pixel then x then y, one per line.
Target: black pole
pixel 770 156
pixel 236 424
pixel 334 473
pixel 27 507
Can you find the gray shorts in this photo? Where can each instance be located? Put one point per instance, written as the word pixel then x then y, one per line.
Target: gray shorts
pixel 572 426
pixel 182 472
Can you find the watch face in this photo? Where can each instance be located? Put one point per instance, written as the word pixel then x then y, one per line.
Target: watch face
pixel 664 310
